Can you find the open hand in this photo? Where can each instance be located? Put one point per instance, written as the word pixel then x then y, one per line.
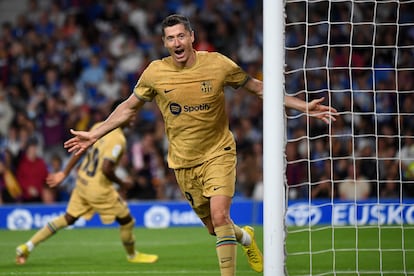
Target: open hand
pixel 322 112
pixel 80 143
pixel 55 179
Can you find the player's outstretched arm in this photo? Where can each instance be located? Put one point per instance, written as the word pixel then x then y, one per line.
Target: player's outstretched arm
pixel 82 140
pixel 54 179
pixel 254 86
pixel 314 108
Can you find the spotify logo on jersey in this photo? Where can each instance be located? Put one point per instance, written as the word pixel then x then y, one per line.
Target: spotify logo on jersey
pixel 175 108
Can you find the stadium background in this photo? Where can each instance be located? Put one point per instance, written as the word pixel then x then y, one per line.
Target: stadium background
pixel 63 63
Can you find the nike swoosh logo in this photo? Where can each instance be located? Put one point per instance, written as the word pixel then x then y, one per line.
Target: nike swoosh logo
pixel 216 188
pixel 224 260
pixel 168 90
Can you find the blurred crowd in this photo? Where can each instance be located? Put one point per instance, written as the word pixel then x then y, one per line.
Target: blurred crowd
pixel 64 62
pixel 367 74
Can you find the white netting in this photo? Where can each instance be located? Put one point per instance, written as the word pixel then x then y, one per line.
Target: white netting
pixel 350 185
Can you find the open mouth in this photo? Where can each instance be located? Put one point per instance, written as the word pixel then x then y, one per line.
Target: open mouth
pixel 179 52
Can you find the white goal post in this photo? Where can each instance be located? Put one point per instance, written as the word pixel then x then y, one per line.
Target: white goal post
pixel 350 184
pixel 273 142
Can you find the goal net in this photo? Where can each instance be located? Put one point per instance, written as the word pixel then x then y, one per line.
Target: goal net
pixel 350 184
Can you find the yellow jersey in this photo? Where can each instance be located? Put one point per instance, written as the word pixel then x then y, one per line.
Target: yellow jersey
pixel 90 175
pixel 192 103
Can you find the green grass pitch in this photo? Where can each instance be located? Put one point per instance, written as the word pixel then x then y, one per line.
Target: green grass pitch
pixel 190 251
pixel 182 251
pixel 367 249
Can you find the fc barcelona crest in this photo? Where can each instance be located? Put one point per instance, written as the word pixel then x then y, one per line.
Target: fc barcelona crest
pixel 206 87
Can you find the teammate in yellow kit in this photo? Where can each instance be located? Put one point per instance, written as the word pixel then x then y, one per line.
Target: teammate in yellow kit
pixel 94 193
pixel 188 87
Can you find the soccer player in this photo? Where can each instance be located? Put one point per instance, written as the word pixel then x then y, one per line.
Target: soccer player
pixel 188 87
pixel 94 193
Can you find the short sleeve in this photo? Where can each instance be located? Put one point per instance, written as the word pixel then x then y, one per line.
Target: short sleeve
pixel 144 87
pixel 235 75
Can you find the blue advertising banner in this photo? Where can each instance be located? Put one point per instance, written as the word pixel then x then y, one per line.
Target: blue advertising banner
pixel 155 214
pixel 368 212
pixel 158 214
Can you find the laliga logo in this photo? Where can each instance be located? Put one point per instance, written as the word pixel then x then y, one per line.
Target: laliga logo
pixel 302 214
pixel 157 217
pixel 19 219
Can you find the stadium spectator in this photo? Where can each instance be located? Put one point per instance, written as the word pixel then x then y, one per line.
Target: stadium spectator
pixel 138 18
pixel 6 112
pixel 223 37
pixel 354 187
pixel 202 43
pixel 70 28
pixel 109 88
pixel 52 124
pixel 94 193
pixel 296 172
pixel 187 8
pixel 33 11
pixel 52 81
pixel 390 189
pixel 200 141
pixel 71 96
pixel 143 187
pixel 249 52
pixel 56 14
pixel 43 26
pixel 31 174
pixel 108 16
pixel 406 155
pixel 91 76
pixel 322 188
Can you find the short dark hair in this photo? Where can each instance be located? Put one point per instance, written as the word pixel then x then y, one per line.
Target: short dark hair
pixel 175 19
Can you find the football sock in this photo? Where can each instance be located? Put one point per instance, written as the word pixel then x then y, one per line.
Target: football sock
pixel 48 230
pixel 226 247
pixel 127 237
pixel 241 235
pixel 30 245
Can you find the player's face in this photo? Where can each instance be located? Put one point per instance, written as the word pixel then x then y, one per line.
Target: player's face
pixel 179 43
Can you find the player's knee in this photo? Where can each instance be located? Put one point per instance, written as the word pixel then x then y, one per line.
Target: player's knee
pixel 125 220
pixel 220 218
pixel 126 223
pixel 70 219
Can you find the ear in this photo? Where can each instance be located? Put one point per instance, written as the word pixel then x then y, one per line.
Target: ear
pixel 192 36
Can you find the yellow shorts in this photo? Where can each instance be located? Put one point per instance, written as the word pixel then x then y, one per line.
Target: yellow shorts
pixel 214 177
pixel 108 205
